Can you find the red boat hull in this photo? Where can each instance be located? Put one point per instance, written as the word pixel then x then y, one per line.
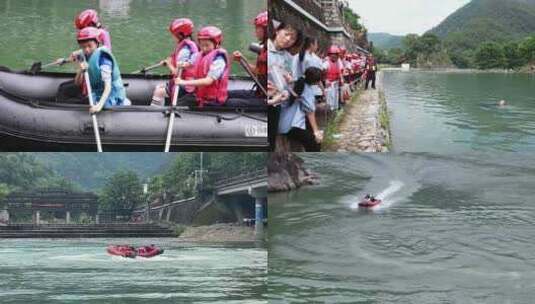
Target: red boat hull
pixel 149 252
pixel 124 251
pixel 369 204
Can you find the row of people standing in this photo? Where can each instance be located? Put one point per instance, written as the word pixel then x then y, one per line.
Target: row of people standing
pixel 199 68
pixel 298 82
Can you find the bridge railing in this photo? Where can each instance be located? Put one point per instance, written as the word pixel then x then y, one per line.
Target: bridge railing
pixel 241 178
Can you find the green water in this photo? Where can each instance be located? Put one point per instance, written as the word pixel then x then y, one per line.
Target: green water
pixel 80 271
pixel 450 230
pixel 457 113
pixel 43 30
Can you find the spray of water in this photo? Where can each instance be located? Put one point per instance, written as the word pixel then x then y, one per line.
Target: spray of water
pixel 386 195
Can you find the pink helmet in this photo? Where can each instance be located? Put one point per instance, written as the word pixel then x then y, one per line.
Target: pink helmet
pixel 89 33
pixel 262 19
pixel 183 26
pixel 86 18
pixel 333 49
pixel 211 33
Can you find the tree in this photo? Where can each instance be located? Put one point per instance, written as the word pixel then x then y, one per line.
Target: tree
pixel 512 55
pixel 461 59
pixel 428 44
pixel 380 55
pixel 352 19
pixel 395 56
pixel 527 50
pixel 22 170
pixel 490 56
pixel 410 43
pixel 122 193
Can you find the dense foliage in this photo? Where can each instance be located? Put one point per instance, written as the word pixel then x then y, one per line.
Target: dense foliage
pixel 122 186
pixel 122 192
pixel 353 20
pixel 429 51
pixel 23 171
pixel 91 170
pixel 489 20
pixel 179 179
pixel 484 34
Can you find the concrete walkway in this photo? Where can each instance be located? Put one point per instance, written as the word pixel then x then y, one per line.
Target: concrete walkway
pixel 360 129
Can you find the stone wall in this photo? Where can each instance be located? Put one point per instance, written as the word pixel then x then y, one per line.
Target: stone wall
pixel 327 26
pixel 182 212
pixel 206 211
pixel 331 13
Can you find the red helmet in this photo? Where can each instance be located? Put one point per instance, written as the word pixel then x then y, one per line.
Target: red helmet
pixel 86 18
pixel 182 26
pixel 262 19
pixel 89 33
pixel 343 50
pixel 211 33
pixel 333 50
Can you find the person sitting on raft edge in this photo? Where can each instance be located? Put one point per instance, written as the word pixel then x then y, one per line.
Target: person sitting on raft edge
pixel 104 75
pixel 182 57
pixel 212 69
pixel 260 68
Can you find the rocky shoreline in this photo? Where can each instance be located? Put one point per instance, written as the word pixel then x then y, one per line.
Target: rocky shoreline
pixel 286 172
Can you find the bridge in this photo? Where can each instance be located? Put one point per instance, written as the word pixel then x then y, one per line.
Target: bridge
pixel 245 194
pixel 254 184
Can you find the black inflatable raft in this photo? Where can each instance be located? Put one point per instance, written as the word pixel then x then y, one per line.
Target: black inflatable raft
pixel 31 118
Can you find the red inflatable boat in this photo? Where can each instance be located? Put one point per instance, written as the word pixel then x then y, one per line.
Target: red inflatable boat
pixel 122 250
pixel 368 203
pixel 131 252
pixel 149 251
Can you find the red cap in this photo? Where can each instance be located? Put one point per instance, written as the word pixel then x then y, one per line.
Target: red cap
pixel 182 26
pixel 261 19
pixel 211 33
pixel 86 18
pixel 89 33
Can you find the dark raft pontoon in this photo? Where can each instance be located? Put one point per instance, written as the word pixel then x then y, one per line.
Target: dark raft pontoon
pixel 31 118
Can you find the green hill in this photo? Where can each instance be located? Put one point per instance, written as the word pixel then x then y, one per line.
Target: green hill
pixel 385 41
pixel 487 21
pixel 90 170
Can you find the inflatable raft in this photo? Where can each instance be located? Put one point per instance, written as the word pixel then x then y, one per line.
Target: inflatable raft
pixel 33 119
pixel 368 203
pixel 127 251
pixel 122 250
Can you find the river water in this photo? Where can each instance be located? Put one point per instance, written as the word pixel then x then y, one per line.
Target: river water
pixel 80 271
pixel 43 30
pixel 451 229
pixel 457 113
